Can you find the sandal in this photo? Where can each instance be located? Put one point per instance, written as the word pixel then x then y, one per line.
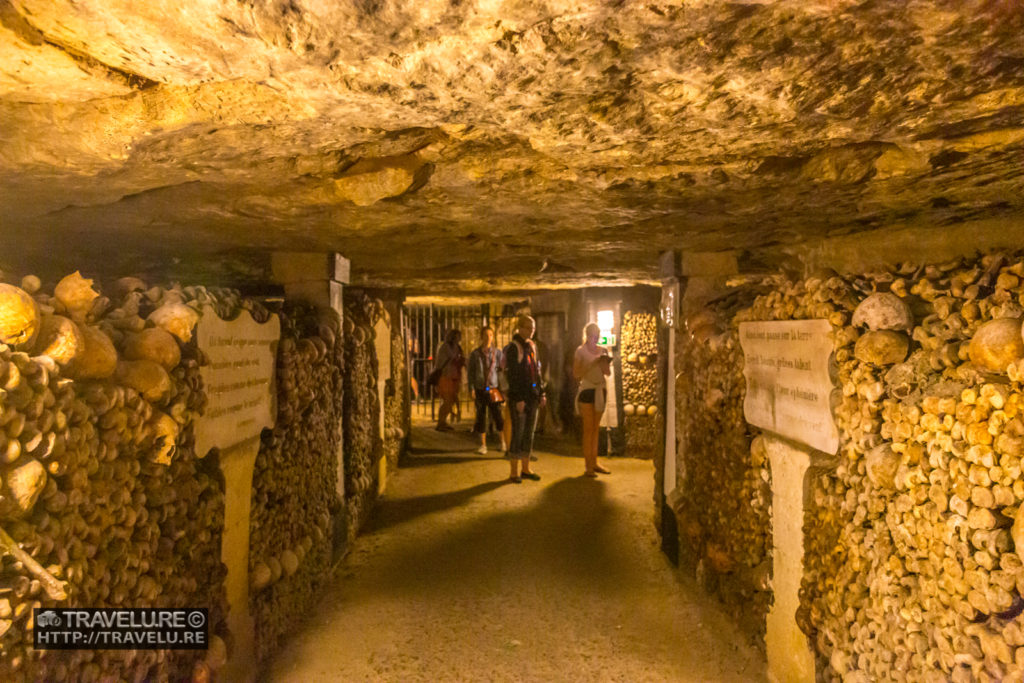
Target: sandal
pixel 602 470
pixel 532 476
pixel 515 480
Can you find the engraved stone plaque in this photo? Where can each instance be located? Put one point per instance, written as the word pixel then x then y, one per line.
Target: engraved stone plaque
pixel 238 377
pixel 786 365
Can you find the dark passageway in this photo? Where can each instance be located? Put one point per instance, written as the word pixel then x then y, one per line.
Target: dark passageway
pixel 463 577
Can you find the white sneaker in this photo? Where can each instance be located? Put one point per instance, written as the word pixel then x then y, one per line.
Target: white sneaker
pixel 482 450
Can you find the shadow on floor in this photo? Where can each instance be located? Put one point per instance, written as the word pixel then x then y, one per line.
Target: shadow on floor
pixel 394 512
pixel 429 459
pixel 566 535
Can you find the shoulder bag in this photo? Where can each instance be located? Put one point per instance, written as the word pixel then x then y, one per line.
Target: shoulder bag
pixel 435 375
pixel 495 394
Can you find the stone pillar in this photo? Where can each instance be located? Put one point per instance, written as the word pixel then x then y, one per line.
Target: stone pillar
pixel 382 343
pixel 319 279
pixel 790 657
pixel 704 277
pixel 236 464
pixel 671 291
pixel 239 381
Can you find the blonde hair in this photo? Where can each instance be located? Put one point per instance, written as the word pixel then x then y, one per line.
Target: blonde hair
pixel 587 328
pixel 524 320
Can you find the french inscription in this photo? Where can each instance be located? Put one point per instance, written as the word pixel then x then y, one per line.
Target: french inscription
pixel 786 365
pixel 238 378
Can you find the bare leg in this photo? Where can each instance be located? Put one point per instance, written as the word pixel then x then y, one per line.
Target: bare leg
pixel 442 413
pixel 589 436
pixel 526 465
pixel 594 437
pixel 506 432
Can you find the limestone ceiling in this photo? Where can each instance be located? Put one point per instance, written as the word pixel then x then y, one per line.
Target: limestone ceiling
pixel 505 143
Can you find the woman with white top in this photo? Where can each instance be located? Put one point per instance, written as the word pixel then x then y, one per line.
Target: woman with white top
pixel 591 366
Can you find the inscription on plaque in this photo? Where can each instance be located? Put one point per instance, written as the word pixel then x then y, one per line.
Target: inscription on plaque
pixel 238 377
pixel 786 365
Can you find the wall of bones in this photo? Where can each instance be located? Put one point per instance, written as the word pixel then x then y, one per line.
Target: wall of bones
pixel 104 501
pixel 914 541
pixel 724 494
pixel 640 385
pixel 290 546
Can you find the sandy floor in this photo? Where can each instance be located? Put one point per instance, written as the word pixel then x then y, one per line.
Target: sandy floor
pixel 465 577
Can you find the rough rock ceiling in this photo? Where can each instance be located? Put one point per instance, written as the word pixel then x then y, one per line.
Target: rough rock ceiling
pixel 502 142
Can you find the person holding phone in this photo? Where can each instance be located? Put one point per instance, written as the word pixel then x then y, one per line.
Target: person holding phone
pixel 591 367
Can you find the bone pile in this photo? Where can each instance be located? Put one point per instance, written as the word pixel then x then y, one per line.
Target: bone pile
pixel 361 428
pixel 104 502
pixel 724 475
pixel 640 383
pixel 295 477
pixel 914 543
pixel 396 408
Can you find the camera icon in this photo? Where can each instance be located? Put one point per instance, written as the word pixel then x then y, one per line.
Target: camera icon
pixel 48 618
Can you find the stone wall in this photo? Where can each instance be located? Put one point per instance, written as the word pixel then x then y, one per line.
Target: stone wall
pixel 102 486
pixel 723 494
pixel 641 389
pixel 913 567
pixel 397 409
pixel 295 475
pixel 364 446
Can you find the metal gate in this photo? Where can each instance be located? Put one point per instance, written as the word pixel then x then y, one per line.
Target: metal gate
pixel 426 327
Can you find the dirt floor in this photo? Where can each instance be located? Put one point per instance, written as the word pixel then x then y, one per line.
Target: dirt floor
pixel 463 576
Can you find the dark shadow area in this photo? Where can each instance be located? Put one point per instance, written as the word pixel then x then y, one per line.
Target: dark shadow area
pixel 427 440
pixel 391 513
pixel 564 536
pixel 428 460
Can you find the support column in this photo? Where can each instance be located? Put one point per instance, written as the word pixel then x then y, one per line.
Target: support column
pixel 671 291
pixel 382 343
pixel 236 464
pixel 790 657
pixel 704 277
pixel 319 279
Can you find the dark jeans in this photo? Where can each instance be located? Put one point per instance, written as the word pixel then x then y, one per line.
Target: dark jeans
pixel 523 424
pixel 483 404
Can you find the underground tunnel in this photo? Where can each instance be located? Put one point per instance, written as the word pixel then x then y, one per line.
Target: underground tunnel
pixel 249 249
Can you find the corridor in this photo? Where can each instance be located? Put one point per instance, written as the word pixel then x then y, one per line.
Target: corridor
pixel 462 576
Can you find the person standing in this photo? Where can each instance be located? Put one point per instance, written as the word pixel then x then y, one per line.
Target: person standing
pixel 591 366
pixel 450 360
pixel 525 396
pixel 484 362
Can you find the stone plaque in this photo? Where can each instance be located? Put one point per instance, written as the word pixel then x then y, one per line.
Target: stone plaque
pixel 786 365
pixel 239 379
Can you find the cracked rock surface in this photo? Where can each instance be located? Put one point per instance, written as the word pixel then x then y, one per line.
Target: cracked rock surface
pixel 503 143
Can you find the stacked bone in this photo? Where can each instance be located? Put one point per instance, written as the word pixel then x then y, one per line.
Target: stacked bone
pixel 913 567
pixel 290 541
pixel 724 476
pixel 395 408
pixel 361 426
pixel 102 489
pixel 640 382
